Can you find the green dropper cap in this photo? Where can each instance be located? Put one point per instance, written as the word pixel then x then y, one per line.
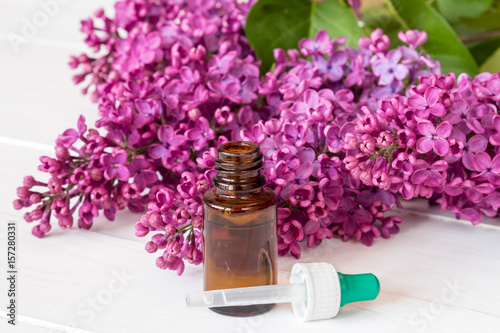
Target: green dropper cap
pixel 358 287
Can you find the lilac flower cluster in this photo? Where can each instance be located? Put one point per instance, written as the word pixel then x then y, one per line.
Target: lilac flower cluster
pixel 302 119
pixel 178 214
pixel 177 78
pixel 168 67
pixel 313 106
pixel 90 173
pixel 439 141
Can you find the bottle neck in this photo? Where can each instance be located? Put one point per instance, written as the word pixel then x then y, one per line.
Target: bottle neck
pixel 238 167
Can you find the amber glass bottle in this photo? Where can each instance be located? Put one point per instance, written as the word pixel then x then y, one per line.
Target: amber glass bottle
pixel 239 228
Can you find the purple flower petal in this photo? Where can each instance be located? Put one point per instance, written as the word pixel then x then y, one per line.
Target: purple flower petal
pixel 477 143
pixel 408 190
pixel 306 155
pixel 123 173
pixel 121 158
pixel 481 161
pixel 149 176
pixel 434 178
pixel 323 41
pixel 440 165
pixel 495 164
pixel 178 140
pixel 295 250
pixel 474 125
pixel 494 179
pixel 305 170
pixel 386 78
pixel 394 56
pixel 81 125
pixel 107 159
pixel 441 147
pixel 109 173
pixel 193 134
pixel 400 72
pixel 139 180
pixel 485 188
pixel 467 160
pixel 453 117
pixel 156 151
pixel 311 98
pixel 165 133
pixel 349 204
pixel 420 176
pixel 495 139
pixel 496 122
pixel 424 145
pixel 444 129
pixel 339 58
pixel 459 106
pixel 335 73
pixel 139 162
pixel 362 215
pixel 350 226
pixel 311 227
pixel 291 132
pixel 431 95
pixel 339 215
pixel 417 102
pixel 306 46
pixel 288 236
pixel 438 110
pixel 426 128
pixel 472 215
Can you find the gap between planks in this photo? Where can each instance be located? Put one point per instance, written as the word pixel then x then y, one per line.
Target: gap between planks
pixel 39 323
pixel 51 42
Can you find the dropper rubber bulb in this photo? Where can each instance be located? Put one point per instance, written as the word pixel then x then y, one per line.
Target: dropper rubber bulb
pixel 316 291
pixel 358 287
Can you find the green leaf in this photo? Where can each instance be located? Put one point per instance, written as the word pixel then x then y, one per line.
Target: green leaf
pixel 442 43
pixel 488 21
pixel 453 10
pixel 461 29
pixel 379 17
pixel 492 64
pixel 281 24
pixel 484 49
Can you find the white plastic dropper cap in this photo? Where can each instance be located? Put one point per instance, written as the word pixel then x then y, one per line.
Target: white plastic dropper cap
pixel 323 291
pixel 316 291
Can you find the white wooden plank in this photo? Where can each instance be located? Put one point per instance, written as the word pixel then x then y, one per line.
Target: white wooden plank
pixel 436 276
pixel 421 206
pixel 43 21
pixel 416 269
pixel 36 87
pixel 38 98
pixel 19 161
pixel 23 327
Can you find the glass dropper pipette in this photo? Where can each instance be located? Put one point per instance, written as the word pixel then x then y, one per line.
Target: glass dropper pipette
pixel 316 291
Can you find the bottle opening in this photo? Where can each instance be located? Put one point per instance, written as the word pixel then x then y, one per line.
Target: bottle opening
pixel 239 152
pixel 239 147
pixel 238 166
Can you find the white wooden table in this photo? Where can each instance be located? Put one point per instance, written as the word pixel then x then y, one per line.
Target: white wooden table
pixel 437 275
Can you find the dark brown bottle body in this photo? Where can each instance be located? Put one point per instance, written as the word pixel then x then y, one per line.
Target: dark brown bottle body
pixel 239 228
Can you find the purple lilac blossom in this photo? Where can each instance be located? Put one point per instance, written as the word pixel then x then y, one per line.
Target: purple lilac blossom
pixel 335 151
pixel 452 160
